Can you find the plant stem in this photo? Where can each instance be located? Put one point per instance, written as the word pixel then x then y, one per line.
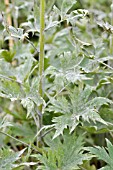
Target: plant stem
pixel 26 144
pixel 41 58
pixel 111 36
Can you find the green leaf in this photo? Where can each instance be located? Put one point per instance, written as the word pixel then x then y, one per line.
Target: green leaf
pixel 66 156
pixel 23 70
pixel 18 73
pixel 29 104
pixel 49 5
pixel 87 166
pixel 32 98
pixel 66 6
pixel 106 26
pixel 7 55
pixel 11 90
pixel 17 33
pixel 103 154
pixel 80 108
pixel 61 123
pixel 4 123
pixel 24 130
pixel 8 158
pixel 6 69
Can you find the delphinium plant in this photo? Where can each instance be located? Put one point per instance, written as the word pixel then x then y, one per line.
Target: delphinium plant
pixel 56 85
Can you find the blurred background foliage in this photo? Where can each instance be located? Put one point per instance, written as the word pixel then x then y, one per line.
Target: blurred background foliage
pixel 84 39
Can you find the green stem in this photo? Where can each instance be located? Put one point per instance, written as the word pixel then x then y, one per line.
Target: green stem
pixel 111 37
pixel 26 144
pixel 41 58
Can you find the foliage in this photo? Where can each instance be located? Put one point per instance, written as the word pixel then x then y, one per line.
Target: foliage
pixel 78 109
pixel 66 155
pixel 8 158
pixel 104 154
pixel 43 107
